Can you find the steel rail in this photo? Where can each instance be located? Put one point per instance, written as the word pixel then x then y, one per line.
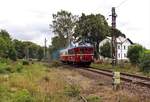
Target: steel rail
pixel 139 80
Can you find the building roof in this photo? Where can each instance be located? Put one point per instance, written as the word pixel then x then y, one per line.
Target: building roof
pixel 119 39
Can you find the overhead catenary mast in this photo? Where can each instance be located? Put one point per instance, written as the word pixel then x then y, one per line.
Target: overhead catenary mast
pixel 113 41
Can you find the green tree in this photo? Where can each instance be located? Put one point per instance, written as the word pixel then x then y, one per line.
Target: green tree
pixel 20 48
pixel 134 53
pixel 145 61
pixel 92 29
pixel 12 53
pixel 3 47
pixel 105 50
pixel 117 32
pixel 7 48
pixel 5 35
pixel 14 49
pixel 63 25
pixel 31 49
pixel 40 53
pixel 58 42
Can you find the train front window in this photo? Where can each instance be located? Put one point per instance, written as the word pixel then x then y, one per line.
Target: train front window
pixel 81 50
pixel 88 50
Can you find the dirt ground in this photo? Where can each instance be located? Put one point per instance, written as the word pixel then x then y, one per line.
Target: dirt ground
pixel 101 86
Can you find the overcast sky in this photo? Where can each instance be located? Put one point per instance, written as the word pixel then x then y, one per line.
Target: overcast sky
pixel 30 19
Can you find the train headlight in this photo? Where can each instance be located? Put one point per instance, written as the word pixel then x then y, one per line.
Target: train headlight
pixel 92 57
pixel 81 57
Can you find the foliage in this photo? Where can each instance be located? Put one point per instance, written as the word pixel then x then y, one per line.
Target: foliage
pixel 117 32
pixel 93 99
pixel 23 96
pixel 12 53
pixel 25 62
pixel 40 53
pixel 134 53
pixel 72 90
pixel 63 25
pixel 14 49
pixel 31 49
pixel 3 47
pixel 19 67
pixel 58 42
pixel 6 68
pixel 20 48
pixel 6 45
pixel 105 50
pixel 4 34
pixel 92 29
pixel 145 62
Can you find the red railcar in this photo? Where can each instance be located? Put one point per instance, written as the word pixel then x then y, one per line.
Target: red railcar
pixel 77 55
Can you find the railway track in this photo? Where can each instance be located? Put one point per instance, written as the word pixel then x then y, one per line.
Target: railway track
pixel 135 79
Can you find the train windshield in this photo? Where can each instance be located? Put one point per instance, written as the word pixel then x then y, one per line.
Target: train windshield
pixel 86 50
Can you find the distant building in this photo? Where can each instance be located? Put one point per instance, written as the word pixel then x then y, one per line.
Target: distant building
pixel 122 46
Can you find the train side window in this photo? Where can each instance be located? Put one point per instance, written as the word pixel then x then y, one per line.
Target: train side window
pixel 81 50
pixel 86 50
pixel 69 51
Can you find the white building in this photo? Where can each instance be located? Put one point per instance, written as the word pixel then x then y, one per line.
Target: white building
pixel 122 46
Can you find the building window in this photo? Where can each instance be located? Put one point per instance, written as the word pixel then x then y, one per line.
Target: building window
pixel 118 55
pixel 125 55
pixel 118 47
pixel 124 47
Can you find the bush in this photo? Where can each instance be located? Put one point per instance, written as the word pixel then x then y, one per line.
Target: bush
pixel 4 68
pixel 145 62
pixel 134 53
pixel 72 91
pixel 93 99
pixel 5 60
pixel 25 62
pixel 19 67
pixel 105 50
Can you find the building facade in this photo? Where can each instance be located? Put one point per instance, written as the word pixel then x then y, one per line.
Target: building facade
pixel 122 46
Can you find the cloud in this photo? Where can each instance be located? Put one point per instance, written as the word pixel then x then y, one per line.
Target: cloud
pixel 30 19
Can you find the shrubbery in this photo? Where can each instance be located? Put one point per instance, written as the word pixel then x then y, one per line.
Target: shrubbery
pixel 134 53
pixel 7 68
pixel 25 62
pixel 145 62
pixel 4 68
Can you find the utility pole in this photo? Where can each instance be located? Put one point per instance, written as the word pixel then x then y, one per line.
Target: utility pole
pixel 113 41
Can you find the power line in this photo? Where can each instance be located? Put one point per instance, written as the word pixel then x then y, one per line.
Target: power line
pixel 121 3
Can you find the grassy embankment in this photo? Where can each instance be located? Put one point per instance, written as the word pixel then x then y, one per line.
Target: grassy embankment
pixel 39 83
pixel 127 68
pixel 33 83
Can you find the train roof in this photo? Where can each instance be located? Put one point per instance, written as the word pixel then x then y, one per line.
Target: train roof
pixel 79 46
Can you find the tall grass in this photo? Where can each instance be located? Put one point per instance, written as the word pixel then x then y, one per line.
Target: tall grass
pixel 32 83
